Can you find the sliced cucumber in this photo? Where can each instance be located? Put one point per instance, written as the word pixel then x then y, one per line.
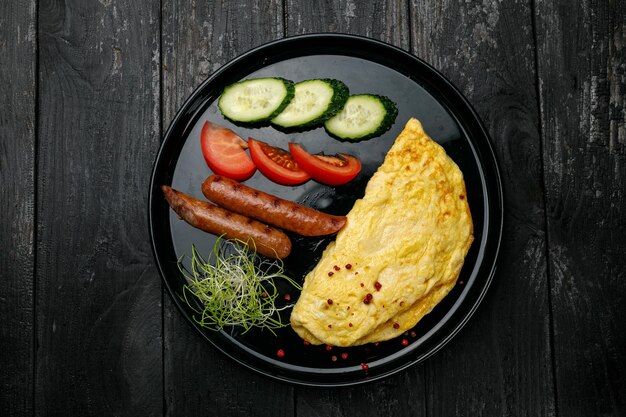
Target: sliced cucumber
pixel 314 102
pixel 256 100
pixel 364 116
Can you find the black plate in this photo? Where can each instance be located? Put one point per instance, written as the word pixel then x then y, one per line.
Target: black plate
pixel 366 66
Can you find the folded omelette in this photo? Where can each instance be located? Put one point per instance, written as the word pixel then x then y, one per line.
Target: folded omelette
pixel 399 254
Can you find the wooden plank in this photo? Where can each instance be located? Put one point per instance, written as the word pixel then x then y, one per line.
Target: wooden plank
pixel 18 37
pixel 402 394
pixel 385 20
pixel 98 293
pixel 198 38
pixel 500 364
pixel 582 73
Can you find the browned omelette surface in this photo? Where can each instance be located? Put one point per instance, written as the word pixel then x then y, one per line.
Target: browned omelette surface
pixel 399 254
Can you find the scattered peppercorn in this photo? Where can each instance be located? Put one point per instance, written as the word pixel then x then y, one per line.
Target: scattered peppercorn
pixel 405 342
pixel 306 343
pixel 331 273
pixel 350 324
pixel 378 286
pixel 362 285
pixel 336 268
pixel 365 366
pixel 329 301
pixel 368 298
pixel 264 294
pixel 330 326
pixel 413 334
pixel 348 266
pixel 344 356
pixel 287 297
pixel 333 358
pixel 396 326
pixel 328 347
pixel 280 353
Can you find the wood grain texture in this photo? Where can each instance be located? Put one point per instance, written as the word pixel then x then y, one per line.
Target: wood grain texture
pixel 18 50
pixel 403 394
pixel 98 293
pixel 198 38
pixel 500 363
pixel 582 72
pixel 384 20
pixel 398 395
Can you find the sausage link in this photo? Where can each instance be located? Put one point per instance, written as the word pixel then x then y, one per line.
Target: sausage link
pixel 215 220
pixel 270 209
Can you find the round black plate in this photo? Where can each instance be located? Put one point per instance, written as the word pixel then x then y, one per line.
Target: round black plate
pixel 366 66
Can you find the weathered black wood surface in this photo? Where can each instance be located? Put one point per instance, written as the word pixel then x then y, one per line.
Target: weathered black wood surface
pixel 98 302
pixel 581 54
pixel 89 88
pixel 18 49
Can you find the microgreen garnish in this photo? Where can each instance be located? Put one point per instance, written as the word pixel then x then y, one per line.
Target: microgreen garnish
pixel 235 287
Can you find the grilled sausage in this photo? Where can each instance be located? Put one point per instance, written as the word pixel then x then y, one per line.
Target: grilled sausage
pixel 270 209
pixel 205 216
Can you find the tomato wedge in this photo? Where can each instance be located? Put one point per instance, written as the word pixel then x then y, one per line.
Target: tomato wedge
pixel 330 170
pixel 276 164
pixel 225 152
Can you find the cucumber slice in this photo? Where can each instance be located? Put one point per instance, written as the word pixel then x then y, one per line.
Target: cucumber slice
pixel 364 116
pixel 314 102
pixel 256 100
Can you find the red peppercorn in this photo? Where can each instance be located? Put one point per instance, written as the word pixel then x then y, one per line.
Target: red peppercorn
pixel 287 297
pixel 378 286
pixel 344 356
pixel 348 266
pixel 333 358
pixel 330 274
pixel 263 294
pixel 368 298
pixel 328 347
pixel 396 326
pixel 306 343
pixel 350 324
pixel 330 326
pixel 413 334
pixel 362 285
pixel 405 342
pixel 280 353
pixel 329 301
pixel 336 268
pixel 365 366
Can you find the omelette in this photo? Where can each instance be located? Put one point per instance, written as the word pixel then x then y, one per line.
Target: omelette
pixel 399 254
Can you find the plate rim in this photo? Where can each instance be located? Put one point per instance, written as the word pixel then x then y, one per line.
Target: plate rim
pixel 496 206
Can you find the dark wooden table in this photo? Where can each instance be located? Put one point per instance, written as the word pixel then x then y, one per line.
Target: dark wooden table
pixel 88 88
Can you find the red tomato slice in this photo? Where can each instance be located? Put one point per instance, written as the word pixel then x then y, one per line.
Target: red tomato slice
pixel 276 164
pixel 225 152
pixel 330 170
